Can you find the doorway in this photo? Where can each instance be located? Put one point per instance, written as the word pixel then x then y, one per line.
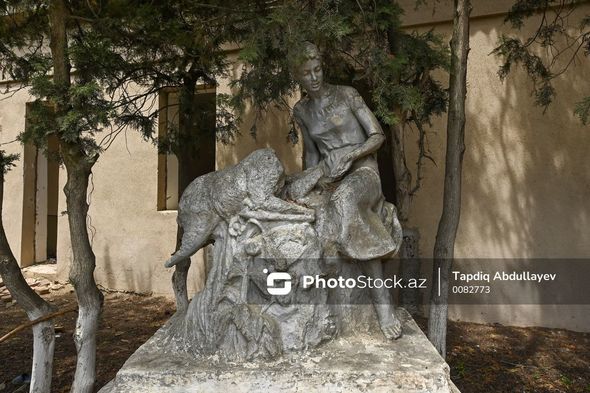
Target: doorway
pixel 40 204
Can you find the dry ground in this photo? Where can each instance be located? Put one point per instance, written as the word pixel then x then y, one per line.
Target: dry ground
pixel 483 358
pixel 127 322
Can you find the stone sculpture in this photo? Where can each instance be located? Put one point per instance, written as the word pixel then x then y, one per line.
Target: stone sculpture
pixel 329 219
pixel 245 190
pixel 254 230
pixel 243 333
pixel 341 137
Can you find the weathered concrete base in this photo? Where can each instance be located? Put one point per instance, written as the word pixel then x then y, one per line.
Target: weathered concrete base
pixel 362 363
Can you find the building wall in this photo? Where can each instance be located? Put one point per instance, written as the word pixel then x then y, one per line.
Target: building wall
pixel 12 122
pixel 526 175
pixel 526 178
pixel 525 183
pixel 131 238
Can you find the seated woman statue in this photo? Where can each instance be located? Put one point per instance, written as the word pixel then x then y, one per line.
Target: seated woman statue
pixel 341 137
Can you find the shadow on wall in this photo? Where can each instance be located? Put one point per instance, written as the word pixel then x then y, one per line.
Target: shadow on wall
pixel 127 274
pixel 131 275
pixel 526 176
pixel 148 278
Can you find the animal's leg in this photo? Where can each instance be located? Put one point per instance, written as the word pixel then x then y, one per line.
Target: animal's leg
pixel 179 278
pixel 274 204
pixel 195 237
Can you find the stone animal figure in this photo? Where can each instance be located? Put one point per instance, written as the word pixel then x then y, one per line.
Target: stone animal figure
pixel 247 188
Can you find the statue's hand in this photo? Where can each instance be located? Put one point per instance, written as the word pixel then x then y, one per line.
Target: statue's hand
pixel 342 166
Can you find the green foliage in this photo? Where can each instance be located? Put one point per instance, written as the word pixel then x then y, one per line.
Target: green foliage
pixel 559 47
pixel 84 110
pixel 7 162
pixel 87 113
pixel 40 123
pixel 567 381
pixel 515 52
pixel 160 45
pixel 523 9
pixel 226 127
pixel 125 52
pixel 404 80
pixel 460 369
pixel 23 27
pixel 582 110
pixel 362 44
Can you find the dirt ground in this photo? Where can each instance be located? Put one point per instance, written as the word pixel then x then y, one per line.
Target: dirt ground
pixel 127 322
pixel 495 358
pixel 483 358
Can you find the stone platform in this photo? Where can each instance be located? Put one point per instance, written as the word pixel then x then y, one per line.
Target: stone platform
pixel 361 363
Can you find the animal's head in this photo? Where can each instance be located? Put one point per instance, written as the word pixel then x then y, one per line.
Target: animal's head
pixel 265 163
pixel 265 157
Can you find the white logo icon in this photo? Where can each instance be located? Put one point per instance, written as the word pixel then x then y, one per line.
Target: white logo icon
pixel 273 278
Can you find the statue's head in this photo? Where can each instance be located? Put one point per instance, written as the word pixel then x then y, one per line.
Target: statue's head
pixel 307 68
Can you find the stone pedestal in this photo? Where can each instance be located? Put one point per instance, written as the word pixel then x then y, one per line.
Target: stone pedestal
pixel 360 363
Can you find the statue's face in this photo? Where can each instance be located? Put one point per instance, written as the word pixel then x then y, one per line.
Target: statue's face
pixel 311 75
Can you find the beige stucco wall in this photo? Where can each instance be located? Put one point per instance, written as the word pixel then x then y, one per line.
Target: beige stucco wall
pixel 526 175
pixel 12 122
pixel 525 185
pixel 130 237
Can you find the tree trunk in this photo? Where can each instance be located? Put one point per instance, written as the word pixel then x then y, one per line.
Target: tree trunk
pixel 409 261
pixel 183 152
pixel 180 276
pixel 403 178
pixel 34 306
pixel 449 221
pixel 78 167
pixel 90 299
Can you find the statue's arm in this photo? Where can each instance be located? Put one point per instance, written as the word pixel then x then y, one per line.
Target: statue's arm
pixel 370 124
pixel 311 155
